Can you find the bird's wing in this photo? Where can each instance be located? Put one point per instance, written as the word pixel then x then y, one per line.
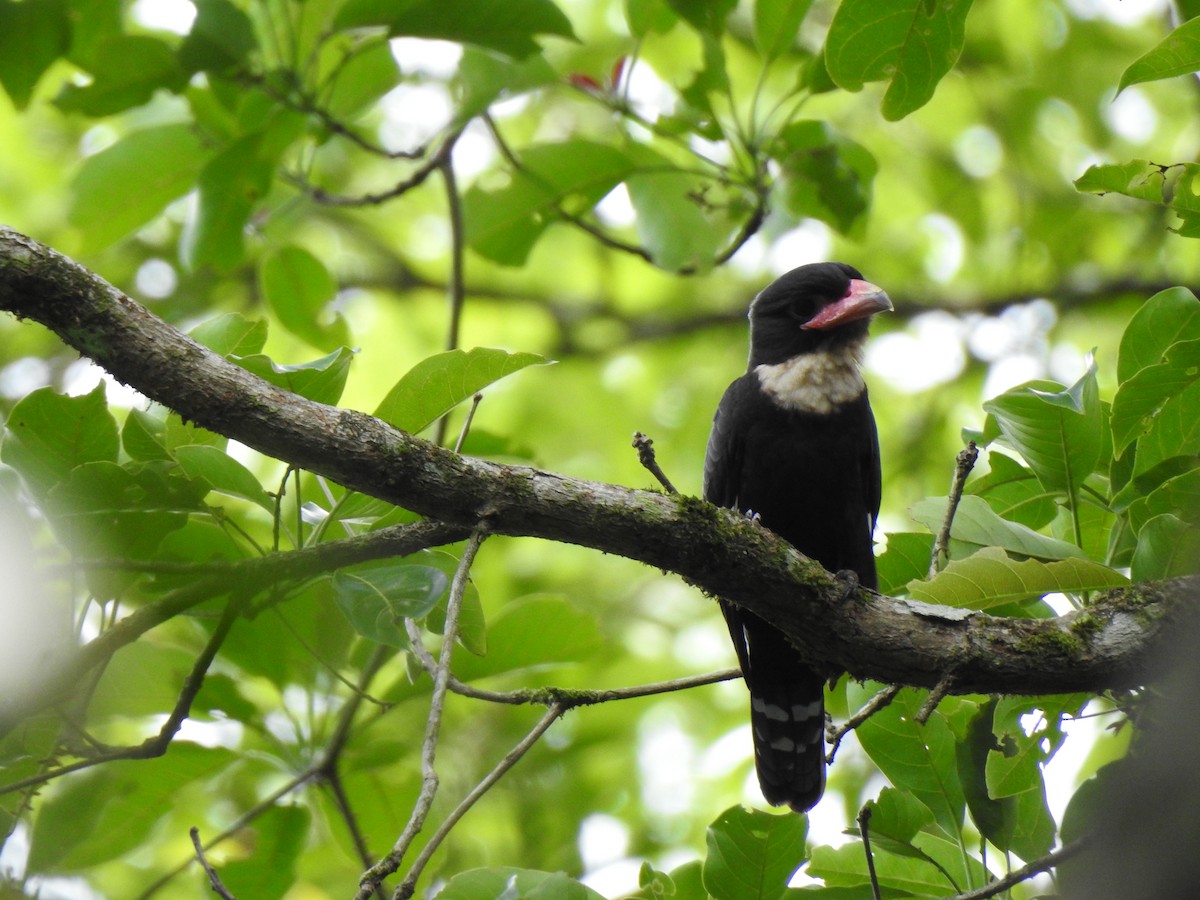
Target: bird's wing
pixel 723 457
pixel 871 478
pixel 722 475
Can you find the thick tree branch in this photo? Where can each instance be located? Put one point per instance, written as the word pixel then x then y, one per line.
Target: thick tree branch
pixel 1106 645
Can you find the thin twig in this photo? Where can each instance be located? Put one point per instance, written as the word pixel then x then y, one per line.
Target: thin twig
pixel 963 463
pixel 326 769
pixel 416 179
pixel 568 698
pixel 408 885
pixel 868 709
pixel 645 449
pixel 466 425
pixel 940 690
pixel 456 290
pixel 300 101
pixel 578 221
pixel 214 879
pixel 241 822
pixel 1000 885
pixel 375 875
pixel 864 821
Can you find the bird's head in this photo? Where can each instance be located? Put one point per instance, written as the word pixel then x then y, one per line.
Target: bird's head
pixel 822 306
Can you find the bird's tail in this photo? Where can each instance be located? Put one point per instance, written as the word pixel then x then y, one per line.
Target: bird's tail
pixel 787 716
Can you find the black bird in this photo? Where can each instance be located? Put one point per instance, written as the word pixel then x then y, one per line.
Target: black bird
pixel 794 444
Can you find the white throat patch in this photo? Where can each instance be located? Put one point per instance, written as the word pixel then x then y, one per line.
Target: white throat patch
pixel 814 382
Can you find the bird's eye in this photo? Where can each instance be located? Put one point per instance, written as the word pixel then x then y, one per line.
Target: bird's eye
pixel 798 313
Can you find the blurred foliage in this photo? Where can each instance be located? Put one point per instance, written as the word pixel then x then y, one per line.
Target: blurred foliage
pixel 330 193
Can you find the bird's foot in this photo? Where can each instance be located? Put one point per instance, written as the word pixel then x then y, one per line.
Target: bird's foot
pixel 752 516
pixel 849 581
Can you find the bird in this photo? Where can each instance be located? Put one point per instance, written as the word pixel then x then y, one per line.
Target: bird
pixel 794 446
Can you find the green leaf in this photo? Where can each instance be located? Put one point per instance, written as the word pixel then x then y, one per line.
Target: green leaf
pixel 1013 492
pixel 1138 178
pixel 108 811
pixel 25 748
pixel 232 335
pixel 32 37
pixel 776 24
pixel 142 680
pixel 362 79
pixel 1140 398
pixel 538 631
pixel 826 176
pixel 1173 432
pixel 712 79
pixel 483 78
pixel 645 16
pixel 898 876
pixel 376 599
pixel 229 188
pixel 1167 547
pixel 977 523
pixel 503 224
pixel 223 473
pixel 436 385
pixel 707 16
pixel 990 578
pixel 670 222
pixel 752 854
pixel 906 559
pixel 917 758
pixel 48 435
pixel 511 883
pixel 124 186
pixel 911 44
pixel 298 288
pixel 144 435
pixel 1015 773
pixel 222 36
pixel 322 380
pixel 105 510
pixel 898 815
pixel 992 817
pixel 126 71
pixel 1166 318
pixel 1059 432
pixel 1176 54
pixel 1185 201
pixel 472 628
pixel 1178 496
pixel 507 26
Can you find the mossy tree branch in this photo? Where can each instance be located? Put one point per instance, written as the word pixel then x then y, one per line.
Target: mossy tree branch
pixel 1108 645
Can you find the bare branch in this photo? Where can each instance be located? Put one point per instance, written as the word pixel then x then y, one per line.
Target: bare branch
pixel 935 697
pixel 214 880
pixel 864 828
pixel 375 875
pixel 868 709
pixel 645 449
pixel 408 885
pixel 963 464
pixel 1000 885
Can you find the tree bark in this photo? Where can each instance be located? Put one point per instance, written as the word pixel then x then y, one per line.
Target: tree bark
pixel 1108 645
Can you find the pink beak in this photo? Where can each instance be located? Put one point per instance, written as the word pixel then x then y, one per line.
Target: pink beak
pixel 863 299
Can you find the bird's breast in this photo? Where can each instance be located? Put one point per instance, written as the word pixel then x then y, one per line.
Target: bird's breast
pixel 814 383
